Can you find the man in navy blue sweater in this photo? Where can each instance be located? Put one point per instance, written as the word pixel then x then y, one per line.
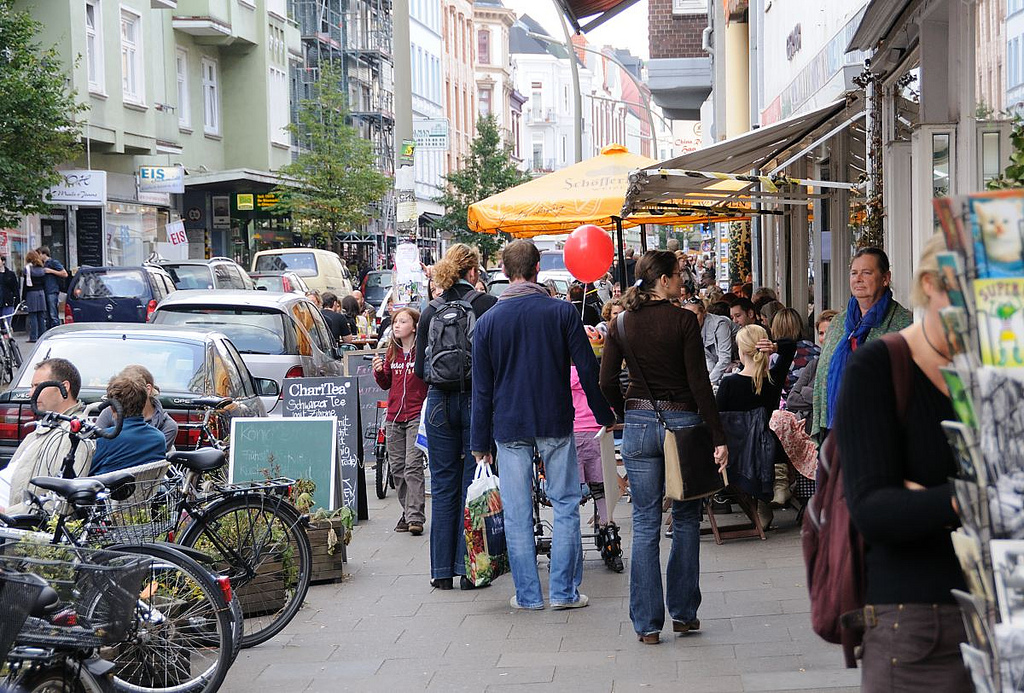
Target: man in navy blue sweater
pixel 522 350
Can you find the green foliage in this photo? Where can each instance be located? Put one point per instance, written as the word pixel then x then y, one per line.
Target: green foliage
pixel 1013 176
pixel 38 131
pixel 488 171
pixel 335 178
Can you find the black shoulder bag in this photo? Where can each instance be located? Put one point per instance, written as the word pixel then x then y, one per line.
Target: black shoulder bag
pixel 690 469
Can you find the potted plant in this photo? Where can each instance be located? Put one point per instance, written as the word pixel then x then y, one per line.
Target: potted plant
pixel 329 532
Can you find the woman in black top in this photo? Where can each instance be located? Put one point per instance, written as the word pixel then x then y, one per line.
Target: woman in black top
pixel 896 472
pixel 447 420
pixel 757 386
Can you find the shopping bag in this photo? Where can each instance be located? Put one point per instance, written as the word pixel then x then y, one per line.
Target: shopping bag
pixel 421 432
pixel 484 521
pixel 609 467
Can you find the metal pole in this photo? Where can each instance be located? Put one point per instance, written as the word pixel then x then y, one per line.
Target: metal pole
pixel 405 176
pixel 643 238
pixel 622 254
pixel 574 70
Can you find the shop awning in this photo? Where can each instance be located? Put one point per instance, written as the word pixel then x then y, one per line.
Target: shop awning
pixel 723 174
pixel 590 192
pixel 576 11
pixel 238 179
pixel 880 18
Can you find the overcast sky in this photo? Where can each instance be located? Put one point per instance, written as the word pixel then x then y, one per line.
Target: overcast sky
pixel 627 30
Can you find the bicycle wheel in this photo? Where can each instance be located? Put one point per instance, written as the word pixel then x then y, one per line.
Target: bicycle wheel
pixel 181 640
pixel 15 353
pixel 383 473
pixel 258 541
pixel 7 366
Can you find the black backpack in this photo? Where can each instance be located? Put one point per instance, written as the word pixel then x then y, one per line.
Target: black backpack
pixel 448 358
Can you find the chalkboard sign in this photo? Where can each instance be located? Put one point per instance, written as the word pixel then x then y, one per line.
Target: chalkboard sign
pixel 338 400
pixel 369 394
pixel 89 222
pixel 297 448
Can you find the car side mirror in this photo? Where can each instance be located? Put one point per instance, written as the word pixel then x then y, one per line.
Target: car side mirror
pixel 266 387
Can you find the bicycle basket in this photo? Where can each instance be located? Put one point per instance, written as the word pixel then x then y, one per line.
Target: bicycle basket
pixel 18 594
pixel 140 512
pixel 98 592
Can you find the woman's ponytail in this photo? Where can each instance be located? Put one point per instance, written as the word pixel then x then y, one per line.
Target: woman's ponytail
pixel 746 342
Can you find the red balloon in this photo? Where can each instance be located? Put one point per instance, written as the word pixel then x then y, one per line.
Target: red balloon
pixel 588 253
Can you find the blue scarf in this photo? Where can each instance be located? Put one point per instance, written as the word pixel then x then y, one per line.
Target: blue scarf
pixel 856 328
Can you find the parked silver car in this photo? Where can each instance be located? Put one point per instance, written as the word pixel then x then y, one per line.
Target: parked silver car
pixel 278 335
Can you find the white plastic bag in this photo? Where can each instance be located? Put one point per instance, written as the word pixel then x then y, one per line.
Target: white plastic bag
pixel 484 523
pixel 421 432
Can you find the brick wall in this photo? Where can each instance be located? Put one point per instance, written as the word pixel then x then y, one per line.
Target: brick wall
pixel 674 36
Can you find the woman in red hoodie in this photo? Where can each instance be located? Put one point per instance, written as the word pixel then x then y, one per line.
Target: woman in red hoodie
pixel 406 392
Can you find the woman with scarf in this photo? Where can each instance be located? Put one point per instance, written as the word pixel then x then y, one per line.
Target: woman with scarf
pixel 870 313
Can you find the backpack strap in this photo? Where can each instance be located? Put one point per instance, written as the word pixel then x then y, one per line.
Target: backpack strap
pixel 902 371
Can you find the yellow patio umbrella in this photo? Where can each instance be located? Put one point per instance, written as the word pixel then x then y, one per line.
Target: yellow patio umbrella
pixel 590 192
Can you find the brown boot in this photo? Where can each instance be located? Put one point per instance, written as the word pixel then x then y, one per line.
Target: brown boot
pixel 782 492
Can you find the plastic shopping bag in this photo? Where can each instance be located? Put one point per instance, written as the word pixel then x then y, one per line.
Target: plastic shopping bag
pixel 421 432
pixel 484 521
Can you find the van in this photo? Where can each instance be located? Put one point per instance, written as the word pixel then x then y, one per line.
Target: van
pixel 116 294
pixel 321 269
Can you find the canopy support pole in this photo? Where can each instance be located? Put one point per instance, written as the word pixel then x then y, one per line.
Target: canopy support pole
pixel 643 238
pixel 621 254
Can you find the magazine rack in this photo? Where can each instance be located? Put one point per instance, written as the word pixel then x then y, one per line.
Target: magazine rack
pixel 983 274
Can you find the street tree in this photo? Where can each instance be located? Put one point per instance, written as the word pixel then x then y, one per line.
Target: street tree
pixel 334 182
pixel 38 131
pixel 488 170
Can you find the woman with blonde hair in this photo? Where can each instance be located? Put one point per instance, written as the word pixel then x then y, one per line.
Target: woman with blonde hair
pixel 448 416
pixel 755 393
pixel 896 471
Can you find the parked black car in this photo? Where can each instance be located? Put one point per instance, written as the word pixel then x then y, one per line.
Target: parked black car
pixel 187 364
pixel 215 273
pixel 116 294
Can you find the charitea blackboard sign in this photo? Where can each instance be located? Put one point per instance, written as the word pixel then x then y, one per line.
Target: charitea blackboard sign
pixel 336 398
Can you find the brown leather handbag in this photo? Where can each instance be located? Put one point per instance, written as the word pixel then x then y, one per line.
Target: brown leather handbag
pixel 690 469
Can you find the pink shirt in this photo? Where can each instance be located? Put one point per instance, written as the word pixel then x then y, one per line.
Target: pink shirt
pixel 585 420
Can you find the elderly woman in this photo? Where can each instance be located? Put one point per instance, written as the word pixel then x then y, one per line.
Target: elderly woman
pixel 870 313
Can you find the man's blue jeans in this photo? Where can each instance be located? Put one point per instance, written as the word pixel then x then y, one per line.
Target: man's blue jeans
pixel 643 457
pixel 515 479
pixel 51 310
pixel 451 471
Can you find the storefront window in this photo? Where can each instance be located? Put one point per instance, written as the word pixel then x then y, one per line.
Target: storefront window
pixel 132 233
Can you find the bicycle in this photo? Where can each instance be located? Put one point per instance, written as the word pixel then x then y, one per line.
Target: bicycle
pixel 382 463
pixel 199 631
pixel 63 610
pixel 10 352
pixel 248 531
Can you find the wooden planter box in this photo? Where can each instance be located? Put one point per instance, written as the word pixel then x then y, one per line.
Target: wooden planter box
pixel 327 567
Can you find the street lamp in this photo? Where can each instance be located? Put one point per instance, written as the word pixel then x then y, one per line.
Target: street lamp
pixel 579 98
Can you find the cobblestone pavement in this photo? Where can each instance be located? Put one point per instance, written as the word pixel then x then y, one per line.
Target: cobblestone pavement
pixel 385 629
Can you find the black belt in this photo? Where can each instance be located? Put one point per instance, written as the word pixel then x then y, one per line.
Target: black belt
pixel 647 405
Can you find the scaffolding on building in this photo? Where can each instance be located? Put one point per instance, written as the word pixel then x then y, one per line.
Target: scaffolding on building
pixel 355 35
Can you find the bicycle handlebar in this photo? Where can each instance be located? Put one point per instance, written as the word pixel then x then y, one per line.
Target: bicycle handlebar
pixel 79 427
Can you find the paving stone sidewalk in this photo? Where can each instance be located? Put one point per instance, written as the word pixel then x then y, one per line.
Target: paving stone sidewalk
pixel 385 629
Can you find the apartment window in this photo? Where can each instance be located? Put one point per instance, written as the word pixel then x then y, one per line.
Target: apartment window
pixel 537 101
pixel 184 107
pixel 483 46
pixel 211 98
pixel 690 7
pixel 94 45
pixel 131 57
pixel 484 101
pixel 279 106
pixel 538 155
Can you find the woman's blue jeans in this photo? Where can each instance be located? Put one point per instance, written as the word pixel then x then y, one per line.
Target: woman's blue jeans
pixel 36 324
pixel 643 457
pixel 451 471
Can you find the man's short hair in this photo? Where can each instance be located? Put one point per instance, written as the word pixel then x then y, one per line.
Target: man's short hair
pixel 328 299
pixel 63 370
pixel 520 259
pixel 130 391
pixel 43 250
pixel 744 304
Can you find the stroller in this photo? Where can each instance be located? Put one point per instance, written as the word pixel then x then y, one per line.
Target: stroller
pixel 606 538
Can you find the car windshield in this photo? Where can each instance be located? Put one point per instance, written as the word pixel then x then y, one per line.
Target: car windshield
pixel 271 283
pixel 190 276
pixel 252 331
pixel 378 280
pixel 111 284
pixel 551 261
pixel 176 366
pixel 303 264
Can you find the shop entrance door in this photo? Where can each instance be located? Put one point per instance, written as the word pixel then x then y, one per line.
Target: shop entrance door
pixel 54 231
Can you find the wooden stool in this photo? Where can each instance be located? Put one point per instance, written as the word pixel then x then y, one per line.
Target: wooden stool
pixel 749 507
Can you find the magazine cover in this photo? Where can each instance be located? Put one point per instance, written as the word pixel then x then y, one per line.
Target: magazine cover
pixel 1001 417
pixel 960 396
pixel 963 443
pixel 949 213
pixel 952 274
pixel 997 226
pixel 999 304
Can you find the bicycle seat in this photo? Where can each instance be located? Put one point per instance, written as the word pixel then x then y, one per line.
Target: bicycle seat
pixel 212 402
pixel 201 460
pixel 76 491
pixel 47 601
pixel 115 481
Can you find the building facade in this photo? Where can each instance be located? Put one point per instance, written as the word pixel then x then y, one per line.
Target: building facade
pixel 494 86
pixel 990 54
pixel 458 59
pixel 1014 65
pixel 430 127
pixel 192 87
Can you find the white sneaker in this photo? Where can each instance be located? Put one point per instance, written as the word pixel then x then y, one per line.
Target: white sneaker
pixel 515 605
pixel 580 602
